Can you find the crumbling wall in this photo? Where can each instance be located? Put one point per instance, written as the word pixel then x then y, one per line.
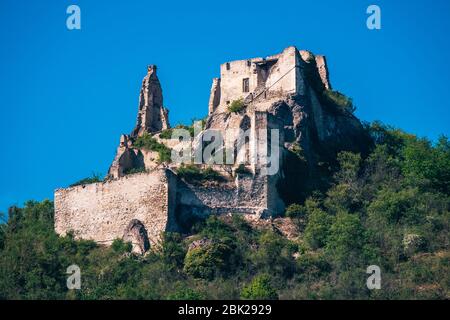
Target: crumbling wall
pixel 214 97
pixel 103 211
pixel 275 75
pixel 247 194
pixel 282 78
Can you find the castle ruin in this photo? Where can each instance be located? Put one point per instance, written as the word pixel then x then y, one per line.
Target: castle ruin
pixel 284 92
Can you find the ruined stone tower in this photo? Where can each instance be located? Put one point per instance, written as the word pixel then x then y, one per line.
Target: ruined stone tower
pixel 152 116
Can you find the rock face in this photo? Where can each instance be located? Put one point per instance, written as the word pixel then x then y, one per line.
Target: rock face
pixel 288 93
pixel 290 90
pixel 126 158
pixel 152 116
pixel 137 235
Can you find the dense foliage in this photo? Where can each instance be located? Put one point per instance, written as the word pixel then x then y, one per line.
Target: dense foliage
pixel 194 174
pixel 339 100
pixel 390 209
pixel 147 142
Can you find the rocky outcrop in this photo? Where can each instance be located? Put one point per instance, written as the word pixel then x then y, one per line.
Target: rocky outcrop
pixel 323 71
pixel 313 127
pixel 126 158
pixel 137 235
pixel 152 116
pixel 289 92
pixel 314 134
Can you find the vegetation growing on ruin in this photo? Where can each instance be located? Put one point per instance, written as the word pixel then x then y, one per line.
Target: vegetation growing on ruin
pixel 134 170
pixel 298 151
pixel 327 97
pixel 95 177
pixel 147 142
pixel 167 133
pixel 338 99
pixel 236 106
pixel 194 174
pixel 389 209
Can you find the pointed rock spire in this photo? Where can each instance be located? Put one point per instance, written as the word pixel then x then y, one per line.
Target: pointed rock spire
pixel 152 116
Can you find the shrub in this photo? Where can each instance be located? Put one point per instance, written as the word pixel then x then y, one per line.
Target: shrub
pixel 193 174
pixel 295 211
pixel 215 229
pixel 298 151
pixel 260 289
pixel 185 293
pixel 236 106
pixel 166 134
pixel 318 228
pixel 312 265
pixel 92 179
pixel 338 99
pixel 172 250
pixel 394 207
pixel 347 239
pixel 147 142
pixel 274 254
pixel 120 246
pixel 209 261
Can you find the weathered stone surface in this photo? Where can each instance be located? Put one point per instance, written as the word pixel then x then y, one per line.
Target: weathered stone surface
pixel 126 158
pixel 103 211
pixel 283 91
pixel 137 235
pixel 260 78
pixel 214 97
pixel 152 116
pixel 322 68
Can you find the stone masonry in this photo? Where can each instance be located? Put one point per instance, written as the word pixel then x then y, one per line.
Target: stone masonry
pixel 283 91
pixel 102 211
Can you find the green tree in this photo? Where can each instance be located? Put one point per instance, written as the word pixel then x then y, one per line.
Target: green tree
pixel 347 241
pixel 209 261
pixel 422 161
pixel 260 288
pixel 172 250
pixel 274 254
pixel 295 211
pixel 318 228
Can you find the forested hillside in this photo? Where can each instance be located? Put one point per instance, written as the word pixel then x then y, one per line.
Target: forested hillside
pixel 389 209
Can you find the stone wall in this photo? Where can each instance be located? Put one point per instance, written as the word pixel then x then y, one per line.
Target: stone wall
pixel 103 211
pixel 214 97
pixel 274 75
pixel 248 194
pixel 140 207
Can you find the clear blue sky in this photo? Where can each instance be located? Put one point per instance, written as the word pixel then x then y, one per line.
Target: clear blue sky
pixel 66 96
